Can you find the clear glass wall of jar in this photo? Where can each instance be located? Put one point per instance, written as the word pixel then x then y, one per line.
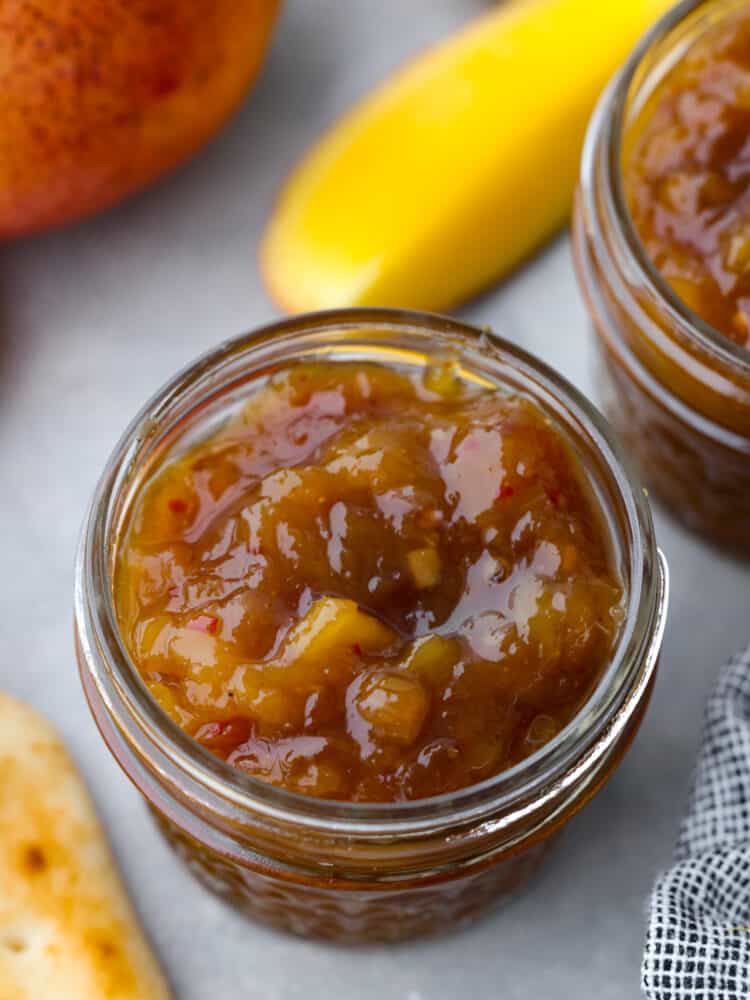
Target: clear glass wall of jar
pixel 677 390
pixel 352 871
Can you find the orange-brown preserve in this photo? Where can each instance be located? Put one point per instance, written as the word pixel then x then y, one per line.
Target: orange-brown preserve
pixel 370 585
pixel 687 177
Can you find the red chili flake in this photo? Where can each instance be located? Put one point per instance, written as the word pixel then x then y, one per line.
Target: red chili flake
pixel 173 592
pixel 506 492
pixel 177 505
pixel 555 497
pixel 357 649
pixel 204 623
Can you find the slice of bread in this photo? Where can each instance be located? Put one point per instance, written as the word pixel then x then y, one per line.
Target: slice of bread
pixel 67 929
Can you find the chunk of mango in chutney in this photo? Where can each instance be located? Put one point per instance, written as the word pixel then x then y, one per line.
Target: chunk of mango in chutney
pixel 395 705
pixel 332 631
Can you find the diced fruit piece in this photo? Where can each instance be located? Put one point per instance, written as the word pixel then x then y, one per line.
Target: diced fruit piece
pixel 176 649
pixel 395 705
pixel 169 507
pixel 320 778
pixel 433 658
pixel 192 648
pixel 272 707
pixel 424 566
pixel 330 629
pixel 357 224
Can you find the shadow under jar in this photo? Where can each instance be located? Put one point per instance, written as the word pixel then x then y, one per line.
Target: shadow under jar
pixel 357 871
pixel 676 389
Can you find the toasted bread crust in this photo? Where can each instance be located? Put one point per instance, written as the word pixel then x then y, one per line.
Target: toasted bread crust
pixel 67 929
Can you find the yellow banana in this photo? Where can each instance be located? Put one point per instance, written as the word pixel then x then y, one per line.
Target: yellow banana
pixel 455 168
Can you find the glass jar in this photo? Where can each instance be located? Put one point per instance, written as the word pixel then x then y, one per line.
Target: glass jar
pixel 677 390
pixel 357 871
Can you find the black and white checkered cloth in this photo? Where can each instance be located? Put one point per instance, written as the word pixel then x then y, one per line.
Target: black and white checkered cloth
pixel 698 940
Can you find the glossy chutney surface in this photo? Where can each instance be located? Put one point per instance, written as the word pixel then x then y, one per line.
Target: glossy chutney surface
pixel 371 585
pixel 687 177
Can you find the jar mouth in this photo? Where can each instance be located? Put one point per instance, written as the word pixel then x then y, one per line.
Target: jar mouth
pixel 398 334
pixel 652 57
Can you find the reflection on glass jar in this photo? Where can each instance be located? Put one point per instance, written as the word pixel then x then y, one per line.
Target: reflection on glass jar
pixel 677 389
pixel 348 870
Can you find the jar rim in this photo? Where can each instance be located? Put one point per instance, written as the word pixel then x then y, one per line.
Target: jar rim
pixel 513 791
pixel 604 137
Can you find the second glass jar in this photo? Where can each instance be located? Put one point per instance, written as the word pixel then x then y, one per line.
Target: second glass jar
pixel 677 390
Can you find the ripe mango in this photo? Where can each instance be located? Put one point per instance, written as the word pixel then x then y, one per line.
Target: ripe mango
pixel 99 97
pixel 454 169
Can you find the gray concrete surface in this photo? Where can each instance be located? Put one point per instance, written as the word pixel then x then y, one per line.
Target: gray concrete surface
pixel 95 318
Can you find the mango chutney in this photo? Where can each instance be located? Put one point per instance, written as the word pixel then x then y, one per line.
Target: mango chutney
pixel 370 585
pixel 661 236
pixel 687 177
